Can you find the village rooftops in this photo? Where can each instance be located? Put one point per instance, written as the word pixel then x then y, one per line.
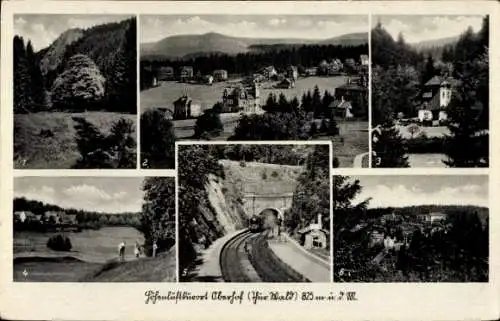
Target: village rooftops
pixel 310 228
pixel 340 104
pixel 441 81
pixel 352 87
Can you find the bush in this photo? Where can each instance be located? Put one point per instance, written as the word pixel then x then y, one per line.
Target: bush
pixel 264 175
pixel 274 174
pixel 59 242
pixel 425 145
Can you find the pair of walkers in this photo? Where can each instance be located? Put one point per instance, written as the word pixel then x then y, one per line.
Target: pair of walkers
pixel 137 250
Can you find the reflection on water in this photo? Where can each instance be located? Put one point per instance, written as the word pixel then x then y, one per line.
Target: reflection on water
pixel 97 246
pixel 427 160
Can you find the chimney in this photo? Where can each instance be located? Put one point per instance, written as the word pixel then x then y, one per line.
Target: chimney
pixel 320 224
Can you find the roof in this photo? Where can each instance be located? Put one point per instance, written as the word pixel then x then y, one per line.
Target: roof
pixel 342 104
pixel 235 91
pixel 440 81
pixel 437 214
pixel 308 229
pixel 352 86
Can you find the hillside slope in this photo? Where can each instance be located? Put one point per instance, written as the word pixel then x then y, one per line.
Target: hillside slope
pixel 52 56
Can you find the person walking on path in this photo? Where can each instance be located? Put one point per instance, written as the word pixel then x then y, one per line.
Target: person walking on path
pixel 121 251
pixel 137 250
pixel 155 247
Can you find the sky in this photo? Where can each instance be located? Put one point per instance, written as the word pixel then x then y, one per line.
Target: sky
pixel 155 27
pixel 43 29
pixel 417 28
pixel 101 194
pixel 407 190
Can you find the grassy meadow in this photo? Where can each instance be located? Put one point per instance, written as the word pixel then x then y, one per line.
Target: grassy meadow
pixel 207 96
pixel 159 269
pixel 34 150
pixel 353 140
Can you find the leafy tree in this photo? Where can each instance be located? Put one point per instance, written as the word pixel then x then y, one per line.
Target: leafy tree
pixel 158 213
pixel 92 146
pixel 197 163
pixel 390 148
pixel 157 140
pixel 312 195
pixel 116 150
pixel 80 86
pixel 123 143
pixel 271 126
pixel 208 123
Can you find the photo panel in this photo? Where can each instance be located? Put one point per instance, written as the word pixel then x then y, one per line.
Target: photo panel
pixel 430 91
pixel 94 229
pixel 411 228
pixel 253 78
pixel 251 212
pixel 75 91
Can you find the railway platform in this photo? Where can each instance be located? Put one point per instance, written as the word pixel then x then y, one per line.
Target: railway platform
pixel 308 265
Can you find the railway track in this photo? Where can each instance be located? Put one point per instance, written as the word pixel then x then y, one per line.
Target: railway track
pixel 230 262
pixel 254 248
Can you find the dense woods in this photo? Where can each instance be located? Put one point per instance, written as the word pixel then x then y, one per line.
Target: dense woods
pixel 198 162
pixel 158 213
pixel 400 72
pixel 93 69
pixel 312 195
pixel 86 219
pixel 288 120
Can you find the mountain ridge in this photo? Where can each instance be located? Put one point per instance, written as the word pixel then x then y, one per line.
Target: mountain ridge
pixel 179 46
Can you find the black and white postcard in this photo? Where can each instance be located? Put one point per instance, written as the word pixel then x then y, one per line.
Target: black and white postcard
pixel 251 77
pixel 74 93
pixel 101 229
pixel 258 213
pixel 430 90
pixel 243 160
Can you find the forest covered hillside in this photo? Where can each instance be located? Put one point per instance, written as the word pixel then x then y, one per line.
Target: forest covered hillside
pixel 105 68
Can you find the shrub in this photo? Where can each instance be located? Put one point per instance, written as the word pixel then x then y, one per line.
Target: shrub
pixel 59 242
pixel 274 174
pixel 264 175
pixel 425 145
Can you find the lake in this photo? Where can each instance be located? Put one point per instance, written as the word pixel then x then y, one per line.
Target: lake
pixel 93 246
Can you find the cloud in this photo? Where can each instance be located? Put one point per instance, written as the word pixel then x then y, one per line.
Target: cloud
pixel 423 28
pixel 45 194
pixel 401 195
pixel 19 22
